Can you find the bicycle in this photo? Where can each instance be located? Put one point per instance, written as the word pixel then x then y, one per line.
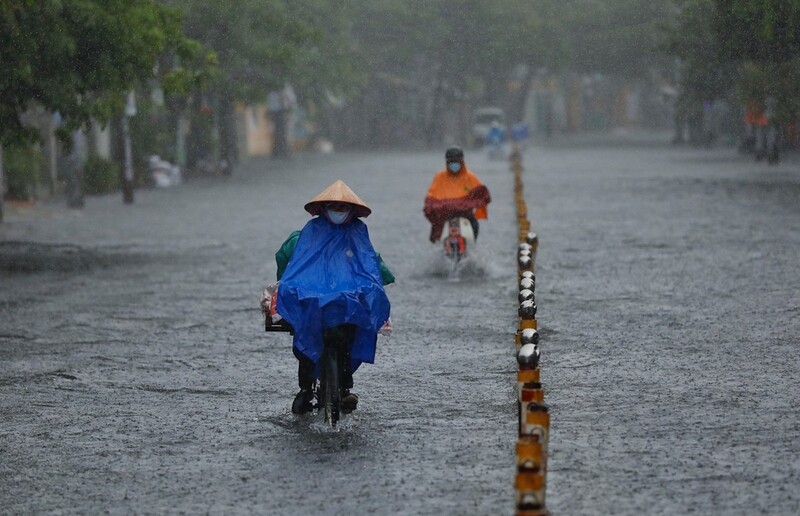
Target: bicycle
pixel 333 372
pixel 327 389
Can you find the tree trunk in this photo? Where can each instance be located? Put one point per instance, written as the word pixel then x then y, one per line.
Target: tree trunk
pixel 519 108
pixel 435 125
pixel 228 140
pixel 50 146
pixel 280 142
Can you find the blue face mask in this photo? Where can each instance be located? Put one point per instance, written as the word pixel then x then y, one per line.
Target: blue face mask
pixel 454 167
pixel 337 217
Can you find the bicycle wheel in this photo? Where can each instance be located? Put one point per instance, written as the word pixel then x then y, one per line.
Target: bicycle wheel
pixel 331 398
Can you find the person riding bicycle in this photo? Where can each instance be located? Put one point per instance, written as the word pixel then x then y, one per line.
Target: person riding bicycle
pixel 331 289
pixel 455 192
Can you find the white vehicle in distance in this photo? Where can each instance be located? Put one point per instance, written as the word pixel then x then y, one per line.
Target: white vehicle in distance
pixel 482 119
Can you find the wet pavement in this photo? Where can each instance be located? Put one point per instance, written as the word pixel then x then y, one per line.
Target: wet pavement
pixel 135 375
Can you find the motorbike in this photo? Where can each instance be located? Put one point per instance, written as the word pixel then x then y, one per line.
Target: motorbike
pixel 496 151
pixel 458 237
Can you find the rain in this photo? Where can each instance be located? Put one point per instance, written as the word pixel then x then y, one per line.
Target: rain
pixel 156 156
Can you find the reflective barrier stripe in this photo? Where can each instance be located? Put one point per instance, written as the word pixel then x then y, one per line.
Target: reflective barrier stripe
pixel 533 415
pixel 531 391
pixel 529 376
pixel 530 456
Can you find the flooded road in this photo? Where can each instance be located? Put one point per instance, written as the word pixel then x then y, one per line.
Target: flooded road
pixel 135 375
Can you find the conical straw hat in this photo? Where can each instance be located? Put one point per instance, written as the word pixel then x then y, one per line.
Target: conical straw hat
pixel 338 192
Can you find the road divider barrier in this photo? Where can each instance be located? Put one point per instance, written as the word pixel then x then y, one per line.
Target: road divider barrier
pixel 533 415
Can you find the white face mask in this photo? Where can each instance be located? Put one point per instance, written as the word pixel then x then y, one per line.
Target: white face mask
pixel 337 217
pixel 454 167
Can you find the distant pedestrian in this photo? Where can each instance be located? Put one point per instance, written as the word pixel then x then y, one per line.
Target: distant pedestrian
pixel 520 134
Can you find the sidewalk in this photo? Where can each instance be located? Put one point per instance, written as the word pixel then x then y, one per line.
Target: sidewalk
pixel 199 210
pixel 15 211
pixel 21 218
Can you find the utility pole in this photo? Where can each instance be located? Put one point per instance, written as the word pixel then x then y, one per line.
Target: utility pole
pixel 76 163
pixel 127 171
pixel 2 183
pixel 51 147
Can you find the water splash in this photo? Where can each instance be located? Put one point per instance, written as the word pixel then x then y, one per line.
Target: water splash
pixel 474 266
pixel 318 425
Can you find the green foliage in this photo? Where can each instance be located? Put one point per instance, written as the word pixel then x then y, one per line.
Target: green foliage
pixel 151 131
pixel 184 80
pixel 780 81
pixel 766 31
pixel 705 74
pixel 750 47
pixel 78 57
pixel 22 168
pixel 464 39
pixel 100 175
pixel 763 37
pixel 254 43
pixel 327 61
pixel 454 38
pixel 614 36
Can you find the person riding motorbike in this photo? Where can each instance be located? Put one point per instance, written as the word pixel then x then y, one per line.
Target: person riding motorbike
pixel 495 141
pixel 331 289
pixel 495 136
pixel 455 192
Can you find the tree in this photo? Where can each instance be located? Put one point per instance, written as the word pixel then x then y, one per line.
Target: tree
pixel 463 52
pixel 258 44
pixel 447 54
pixel 617 37
pixel 763 38
pixel 764 31
pixel 78 57
pixel 703 73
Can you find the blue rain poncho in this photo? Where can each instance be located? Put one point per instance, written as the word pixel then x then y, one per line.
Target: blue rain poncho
pixel 333 278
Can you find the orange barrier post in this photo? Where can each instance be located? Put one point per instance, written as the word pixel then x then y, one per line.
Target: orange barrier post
pixel 533 414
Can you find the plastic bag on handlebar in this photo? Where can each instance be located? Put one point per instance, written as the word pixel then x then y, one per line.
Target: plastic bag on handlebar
pixel 269 302
pixel 386 329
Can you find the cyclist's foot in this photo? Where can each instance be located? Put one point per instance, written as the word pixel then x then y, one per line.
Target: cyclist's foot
pixel 302 402
pixel 349 401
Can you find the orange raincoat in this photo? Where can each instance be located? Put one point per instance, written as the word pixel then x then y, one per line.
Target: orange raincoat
pixel 754 114
pixel 451 195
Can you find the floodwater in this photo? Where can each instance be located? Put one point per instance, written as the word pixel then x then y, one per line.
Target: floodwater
pixel 135 375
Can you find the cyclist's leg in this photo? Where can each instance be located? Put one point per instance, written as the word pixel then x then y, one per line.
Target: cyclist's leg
pixel 343 337
pixel 346 373
pixel 305 379
pixel 305 370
